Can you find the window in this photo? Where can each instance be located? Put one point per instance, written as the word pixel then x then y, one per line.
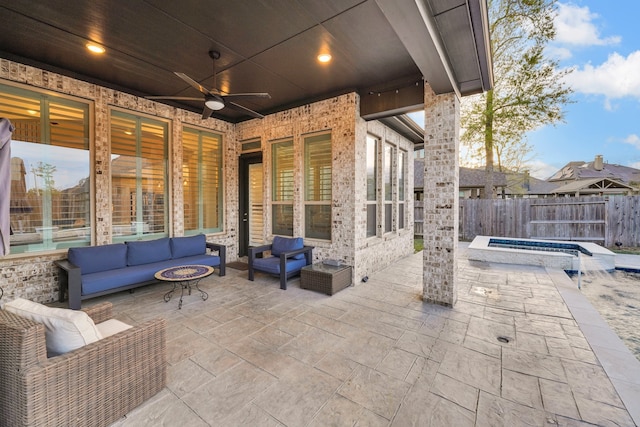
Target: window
pixel 388 187
pixel 138 177
pixel 317 186
pixel 402 185
pixel 50 168
pixel 282 185
pixel 202 181
pixel 372 185
pixel 251 146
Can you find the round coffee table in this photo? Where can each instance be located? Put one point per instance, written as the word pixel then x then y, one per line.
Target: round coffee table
pixel 185 276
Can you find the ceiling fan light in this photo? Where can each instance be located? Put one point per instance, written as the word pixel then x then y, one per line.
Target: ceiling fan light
pixel 214 104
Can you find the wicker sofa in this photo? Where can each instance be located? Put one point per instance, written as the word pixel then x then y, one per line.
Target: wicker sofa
pixel 91 386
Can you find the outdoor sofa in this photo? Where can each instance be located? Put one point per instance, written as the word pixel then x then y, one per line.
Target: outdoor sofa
pixel 92 271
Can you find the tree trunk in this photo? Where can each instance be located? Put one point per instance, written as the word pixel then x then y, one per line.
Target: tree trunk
pixel 488 146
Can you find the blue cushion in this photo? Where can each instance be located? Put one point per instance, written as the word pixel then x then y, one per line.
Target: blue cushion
pixel 146 252
pixel 104 280
pixel 204 259
pixel 93 259
pixel 110 279
pixel 188 246
pixel 287 244
pixel 272 264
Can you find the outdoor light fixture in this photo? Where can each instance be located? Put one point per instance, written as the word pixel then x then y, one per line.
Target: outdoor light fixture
pixel 95 48
pixel 214 103
pixel 324 57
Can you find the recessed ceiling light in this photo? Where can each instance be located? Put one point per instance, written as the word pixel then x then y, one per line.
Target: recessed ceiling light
pixel 95 48
pixel 128 132
pixel 32 112
pixel 324 57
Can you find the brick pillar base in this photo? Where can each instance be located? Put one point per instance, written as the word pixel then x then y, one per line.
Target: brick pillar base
pixel 441 198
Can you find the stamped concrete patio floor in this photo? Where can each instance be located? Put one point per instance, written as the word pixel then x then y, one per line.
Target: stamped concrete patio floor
pixel 377 355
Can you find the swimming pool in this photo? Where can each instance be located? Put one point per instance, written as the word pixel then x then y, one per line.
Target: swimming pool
pixel 569 256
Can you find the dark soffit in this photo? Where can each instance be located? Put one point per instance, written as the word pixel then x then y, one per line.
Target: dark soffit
pixel 265 46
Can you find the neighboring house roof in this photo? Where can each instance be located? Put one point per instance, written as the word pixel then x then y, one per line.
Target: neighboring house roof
pixel 522 183
pixel 475 178
pixel 594 186
pixel 469 178
pixel 586 170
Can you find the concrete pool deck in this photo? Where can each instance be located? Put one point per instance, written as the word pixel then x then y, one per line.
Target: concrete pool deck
pixel 521 347
pixel 628 262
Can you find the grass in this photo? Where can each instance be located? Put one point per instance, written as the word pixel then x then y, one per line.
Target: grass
pixel 627 251
pixel 418 245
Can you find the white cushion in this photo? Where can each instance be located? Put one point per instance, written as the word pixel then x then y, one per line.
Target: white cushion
pixel 65 329
pixel 111 327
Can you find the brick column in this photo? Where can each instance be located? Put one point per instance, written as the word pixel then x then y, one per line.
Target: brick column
pixel 441 203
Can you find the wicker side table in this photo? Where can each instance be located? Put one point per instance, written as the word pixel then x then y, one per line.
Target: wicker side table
pixel 324 278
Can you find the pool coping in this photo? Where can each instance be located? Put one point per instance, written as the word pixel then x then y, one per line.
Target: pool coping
pixel 479 250
pixel 621 366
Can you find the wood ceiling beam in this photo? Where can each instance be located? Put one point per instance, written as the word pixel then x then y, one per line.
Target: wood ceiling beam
pixel 391 101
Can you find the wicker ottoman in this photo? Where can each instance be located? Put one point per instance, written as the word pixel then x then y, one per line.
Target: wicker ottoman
pixel 324 278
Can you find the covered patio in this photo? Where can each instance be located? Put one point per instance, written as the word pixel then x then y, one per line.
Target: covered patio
pixel 517 349
pixel 139 171
pixel 507 349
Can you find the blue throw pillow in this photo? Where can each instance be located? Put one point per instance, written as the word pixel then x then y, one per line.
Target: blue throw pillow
pixel 146 252
pixel 188 246
pixel 93 259
pixel 286 244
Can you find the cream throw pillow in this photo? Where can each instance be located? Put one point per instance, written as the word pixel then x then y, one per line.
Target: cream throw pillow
pixel 65 329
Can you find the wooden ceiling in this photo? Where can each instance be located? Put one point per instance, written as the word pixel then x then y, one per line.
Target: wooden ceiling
pixel 270 46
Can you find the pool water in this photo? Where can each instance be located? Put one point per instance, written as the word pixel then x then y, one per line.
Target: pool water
pixel 616 296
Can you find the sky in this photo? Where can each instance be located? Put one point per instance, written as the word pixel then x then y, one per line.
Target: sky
pixel 600 41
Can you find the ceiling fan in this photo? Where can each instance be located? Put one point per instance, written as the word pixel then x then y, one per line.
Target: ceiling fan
pixel 215 100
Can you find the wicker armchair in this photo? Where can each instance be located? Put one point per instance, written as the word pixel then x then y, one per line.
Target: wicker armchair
pixel 92 386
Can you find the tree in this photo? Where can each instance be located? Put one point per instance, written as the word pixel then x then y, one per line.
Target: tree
pixel 528 92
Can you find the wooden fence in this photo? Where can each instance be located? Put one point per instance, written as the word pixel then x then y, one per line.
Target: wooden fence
pixel 604 220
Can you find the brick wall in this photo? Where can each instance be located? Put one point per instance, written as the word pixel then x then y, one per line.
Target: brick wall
pixel 441 200
pixel 35 277
pixel 374 253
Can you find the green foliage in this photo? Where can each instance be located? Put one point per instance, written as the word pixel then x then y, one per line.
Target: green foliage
pixel 46 171
pixel 529 90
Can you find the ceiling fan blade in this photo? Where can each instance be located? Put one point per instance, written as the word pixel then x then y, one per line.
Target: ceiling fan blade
pixel 175 98
pixel 193 83
pixel 245 110
pixel 206 112
pixel 232 96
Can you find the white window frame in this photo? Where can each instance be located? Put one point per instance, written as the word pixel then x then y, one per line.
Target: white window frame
pixel 142 228
pixel 389 187
pixel 42 214
pixel 321 198
pixel 278 200
pixel 372 194
pixel 214 169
